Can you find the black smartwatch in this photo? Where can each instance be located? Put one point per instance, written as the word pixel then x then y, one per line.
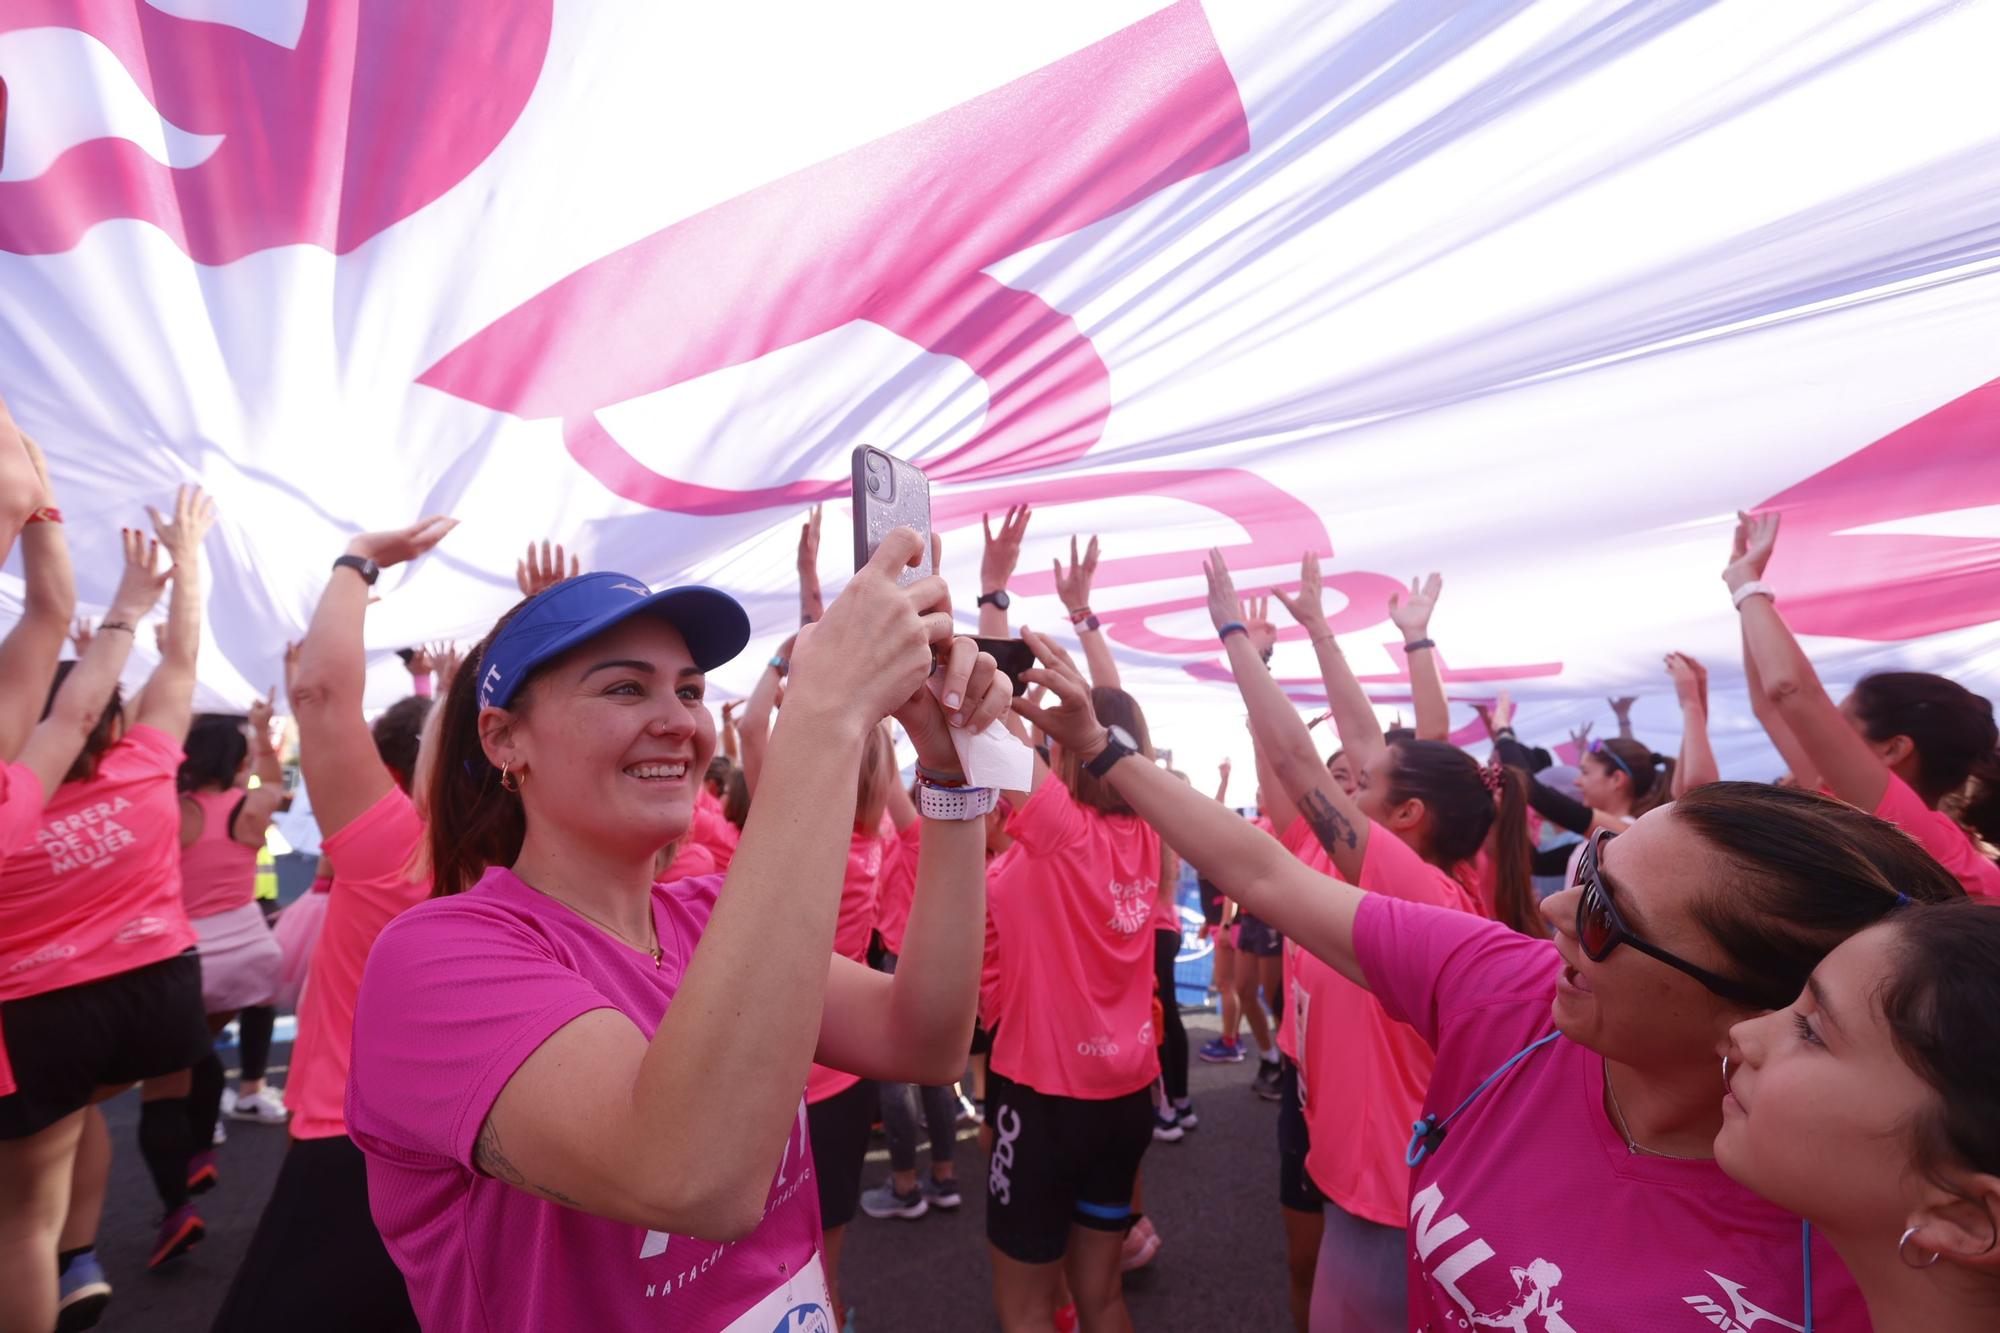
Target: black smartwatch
pixel 362 565
pixel 999 598
pixel 1114 750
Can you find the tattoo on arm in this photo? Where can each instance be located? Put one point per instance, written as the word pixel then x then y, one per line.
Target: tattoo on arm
pixel 488 1157
pixel 1327 823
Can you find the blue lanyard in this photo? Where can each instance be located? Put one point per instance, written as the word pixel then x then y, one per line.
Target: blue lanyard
pixel 1427 1133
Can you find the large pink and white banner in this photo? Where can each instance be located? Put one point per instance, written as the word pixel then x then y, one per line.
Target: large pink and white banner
pixel 1534 294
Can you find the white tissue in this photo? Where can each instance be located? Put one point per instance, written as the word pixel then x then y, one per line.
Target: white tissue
pixel 995 757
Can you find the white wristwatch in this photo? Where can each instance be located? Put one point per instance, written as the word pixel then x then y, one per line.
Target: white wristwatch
pixel 955 802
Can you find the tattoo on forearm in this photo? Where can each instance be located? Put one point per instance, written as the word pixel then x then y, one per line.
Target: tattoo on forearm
pixel 1331 827
pixel 488 1157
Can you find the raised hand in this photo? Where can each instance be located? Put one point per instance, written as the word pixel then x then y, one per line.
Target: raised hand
pixel 1621 708
pixel 81 634
pixel 1263 634
pixel 864 659
pixel 261 712
pixel 1502 716
pixel 1412 611
pixel 446 659
pixel 291 660
pixel 1750 551
pixel 811 604
pixel 1222 770
pixel 402 545
pixel 181 536
pixel 1690 679
pixel 971 693
pixel 1072 722
pixel 1074 586
pixel 139 585
pixel 1307 605
pixel 1580 738
pixel 421 663
pixel 1224 606
pixel 534 572
pixel 1003 552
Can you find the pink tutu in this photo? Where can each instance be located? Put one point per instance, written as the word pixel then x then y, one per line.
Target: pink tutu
pixel 297 932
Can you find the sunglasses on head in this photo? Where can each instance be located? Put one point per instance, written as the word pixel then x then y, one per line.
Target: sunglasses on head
pixel 1603 751
pixel 1600 929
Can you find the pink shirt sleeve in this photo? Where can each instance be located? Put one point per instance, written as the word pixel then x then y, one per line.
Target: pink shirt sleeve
pixel 1426 963
pixel 457 995
pixel 1050 820
pixel 21 801
pixel 376 844
pixel 1941 836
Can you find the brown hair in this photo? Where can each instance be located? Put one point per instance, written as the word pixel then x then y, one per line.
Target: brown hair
pixel 398 735
pixel 1942 1005
pixel 1114 708
pixel 1462 810
pixel 1954 734
pixel 878 771
pixel 1810 872
pixel 1651 775
pixel 474 822
pixel 110 723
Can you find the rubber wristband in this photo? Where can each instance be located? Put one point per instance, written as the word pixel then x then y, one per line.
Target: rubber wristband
pixel 937 779
pixel 1079 615
pixel 115 625
pixel 1233 627
pixel 783 665
pixel 1418 645
pixel 421 686
pixel 1749 590
pixel 46 514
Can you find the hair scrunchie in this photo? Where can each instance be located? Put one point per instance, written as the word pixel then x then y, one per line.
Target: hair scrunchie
pixel 1494 774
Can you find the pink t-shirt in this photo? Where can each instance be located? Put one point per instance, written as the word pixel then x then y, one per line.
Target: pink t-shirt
pixel 93 885
pixel 1072 913
pixel 1362 1074
pixel 989 966
pixel 693 861
pixel 1941 837
pixel 711 829
pixel 459 992
pixel 21 803
pixel 218 873
pixel 370 888
pixel 897 887
pixel 850 938
pixel 1532 1203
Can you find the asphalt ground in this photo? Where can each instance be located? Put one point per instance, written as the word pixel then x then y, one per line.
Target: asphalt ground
pixel 1213 1197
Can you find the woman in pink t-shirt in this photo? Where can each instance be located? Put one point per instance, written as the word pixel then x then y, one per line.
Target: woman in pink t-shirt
pixel 1919 750
pixel 1577 1080
pixel 1419 815
pixel 1074 1053
pixel 1871 1107
pixel 99 985
pixel 579 1091
pixel 222 828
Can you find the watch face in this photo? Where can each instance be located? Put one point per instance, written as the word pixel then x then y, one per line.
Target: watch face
pixel 999 599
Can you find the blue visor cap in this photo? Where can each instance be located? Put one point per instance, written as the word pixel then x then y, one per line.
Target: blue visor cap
pixel 712 622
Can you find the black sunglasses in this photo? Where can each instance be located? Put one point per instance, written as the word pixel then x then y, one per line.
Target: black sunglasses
pixel 1600 929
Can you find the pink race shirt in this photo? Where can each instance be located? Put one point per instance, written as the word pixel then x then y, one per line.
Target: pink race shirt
pixel 1073 915
pixel 218 873
pixel 20 806
pixel 997 868
pixel 1362 1074
pixel 93 884
pixel 851 934
pixel 897 887
pixel 1941 837
pixel 459 993
pixel 711 829
pixel 1532 1213
pixel 371 887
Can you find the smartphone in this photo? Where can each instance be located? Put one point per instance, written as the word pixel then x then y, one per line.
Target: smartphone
pixel 1012 657
pixel 889 493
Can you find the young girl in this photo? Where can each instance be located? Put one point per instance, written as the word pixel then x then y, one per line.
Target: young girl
pixel 1871 1107
pixel 677 1192
pixel 1577 1080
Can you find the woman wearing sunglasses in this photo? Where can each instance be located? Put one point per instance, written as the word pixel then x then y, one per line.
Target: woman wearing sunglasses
pixel 1905 744
pixel 1871 1106
pixel 1567 1160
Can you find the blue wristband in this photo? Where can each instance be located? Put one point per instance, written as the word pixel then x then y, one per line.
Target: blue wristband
pixel 1233 627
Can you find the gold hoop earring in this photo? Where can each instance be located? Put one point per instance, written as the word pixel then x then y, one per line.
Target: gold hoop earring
pixel 509 780
pixel 1903 1251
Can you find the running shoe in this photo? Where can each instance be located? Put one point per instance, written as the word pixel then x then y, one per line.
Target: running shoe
pixel 1265 1085
pixel 968 1111
pixel 1167 1126
pixel 180 1232
pixel 220 1136
pixel 266 1106
pixel 84 1294
pixel 883 1201
pixel 1184 1112
pixel 1142 1242
pixel 1220 1052
pixel 942 1193
pixel 202 1175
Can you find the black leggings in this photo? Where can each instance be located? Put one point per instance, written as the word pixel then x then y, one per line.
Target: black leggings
pixel 253 1039
pixel 1173 1033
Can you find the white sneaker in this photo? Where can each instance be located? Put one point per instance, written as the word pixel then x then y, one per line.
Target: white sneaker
pixel 266 1106
pixel 228 1100
pixel 220 1137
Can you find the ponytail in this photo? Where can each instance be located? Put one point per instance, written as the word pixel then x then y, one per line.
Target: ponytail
pixel 1651 775
pixel 1954 735
pixel 474 822
pixel 1979 808
pixel 1514 902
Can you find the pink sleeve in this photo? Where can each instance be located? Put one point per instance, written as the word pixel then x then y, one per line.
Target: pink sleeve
pixel 456 996
pixel 1940 835
pixel 1426 963
pixel 377 843
pixel 1050 820
pixel 144 751
pixel 1392 867
pixel 21 802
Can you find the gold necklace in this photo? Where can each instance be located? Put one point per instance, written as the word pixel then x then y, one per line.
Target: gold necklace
pixel 619 935
pixel 1633 1145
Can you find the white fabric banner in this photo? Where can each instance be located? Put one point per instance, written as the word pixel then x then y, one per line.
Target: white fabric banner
pixel 1534 294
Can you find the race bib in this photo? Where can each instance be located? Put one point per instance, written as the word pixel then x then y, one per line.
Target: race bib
pixel 801 1305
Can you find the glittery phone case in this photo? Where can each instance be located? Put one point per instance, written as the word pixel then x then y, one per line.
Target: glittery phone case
pixel 889 493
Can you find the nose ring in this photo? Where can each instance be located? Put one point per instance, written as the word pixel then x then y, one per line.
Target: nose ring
pixel 1725 1073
